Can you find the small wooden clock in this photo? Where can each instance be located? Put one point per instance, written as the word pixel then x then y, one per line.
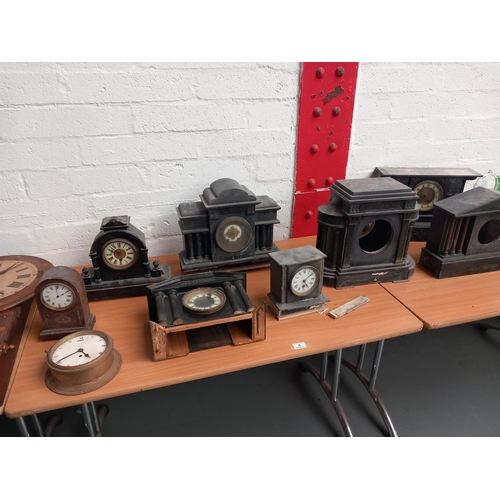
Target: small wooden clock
pixel 81 362
pixel 62 303
pixel 431 185
pixel 120 264
pixel 296 281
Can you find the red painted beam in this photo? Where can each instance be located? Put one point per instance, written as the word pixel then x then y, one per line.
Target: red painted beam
pixel 326 105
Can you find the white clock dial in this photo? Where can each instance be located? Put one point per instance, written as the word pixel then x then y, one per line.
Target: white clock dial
pixel 304 281
pixel 57 296
pixel 79 350
pixel 119 254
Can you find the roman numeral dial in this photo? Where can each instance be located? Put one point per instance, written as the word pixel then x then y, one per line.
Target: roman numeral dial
pixel 15 275
pixel 119 254
pixel 57 296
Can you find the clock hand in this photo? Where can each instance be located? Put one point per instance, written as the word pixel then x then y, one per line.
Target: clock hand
pixel 10 267
pixel 79 350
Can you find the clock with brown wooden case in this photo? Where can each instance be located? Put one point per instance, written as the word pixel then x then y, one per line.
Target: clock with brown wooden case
pixel 19 275
pixel 63 304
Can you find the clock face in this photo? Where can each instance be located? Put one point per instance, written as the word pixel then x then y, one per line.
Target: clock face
pixel 15 276
pixel 204 300
pixel 428 192
pixel 304 281
pixel 57 296
pixel 119 254
pixel 79 350
pixel 233 234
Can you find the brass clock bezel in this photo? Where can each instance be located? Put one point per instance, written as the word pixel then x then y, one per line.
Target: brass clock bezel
pixel 53 308
pixel 114 266
pixel 87 377
pixel 245 237
pixel 310 290
pixel 434 186
pixel 204 291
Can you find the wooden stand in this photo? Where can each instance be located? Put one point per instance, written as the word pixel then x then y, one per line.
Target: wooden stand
pixel 172 341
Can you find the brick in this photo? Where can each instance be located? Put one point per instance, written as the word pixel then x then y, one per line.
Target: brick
pixel 372 107
pixel 83 181
pixel 390 132
pixel 258 84
pixel 65 122
pixel 27 155
pixel 11 187
pixel 275 168
pixel 447 129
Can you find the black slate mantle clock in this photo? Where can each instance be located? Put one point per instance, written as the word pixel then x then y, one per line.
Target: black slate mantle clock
pixel 229 227
pixel 120 263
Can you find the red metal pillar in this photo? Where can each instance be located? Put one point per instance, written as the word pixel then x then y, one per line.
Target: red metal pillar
pixel 326 106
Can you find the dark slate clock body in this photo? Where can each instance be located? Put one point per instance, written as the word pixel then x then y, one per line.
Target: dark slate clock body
pixel 107 280
pixel 464 237
pixel 365 232
pixel 450 182
pixel 229 227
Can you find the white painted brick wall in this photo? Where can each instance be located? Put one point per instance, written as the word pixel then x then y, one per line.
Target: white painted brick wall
pixel 82 141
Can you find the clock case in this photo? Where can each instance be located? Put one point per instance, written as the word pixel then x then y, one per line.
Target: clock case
pixel 202 222
pixel 15 313
pixel 365 232
pixel 464 237
pixel 283 266
pixel 452 180
pixel 59 323
pixel 177 331
pixel 103 282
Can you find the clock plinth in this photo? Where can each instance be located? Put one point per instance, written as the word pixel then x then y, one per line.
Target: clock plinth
pixel 365 232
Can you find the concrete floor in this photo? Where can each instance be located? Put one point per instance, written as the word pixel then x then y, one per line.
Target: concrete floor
pixel 434 383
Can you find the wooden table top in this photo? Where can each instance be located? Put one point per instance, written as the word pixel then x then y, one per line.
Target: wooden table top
pixel 439 303
pixel 126 320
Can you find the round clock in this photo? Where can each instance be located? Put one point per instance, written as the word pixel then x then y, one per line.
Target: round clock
pixel 119 253
pixel 233 234
pixel 57 296
pixel 428 193
pixel 304 281
pixel 204 300
pixel 19 275
pixel 81 362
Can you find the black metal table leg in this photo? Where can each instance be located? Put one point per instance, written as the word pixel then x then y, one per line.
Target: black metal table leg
pixel 369 383
pixel 331 391
pixel 94 419
pixel 39 430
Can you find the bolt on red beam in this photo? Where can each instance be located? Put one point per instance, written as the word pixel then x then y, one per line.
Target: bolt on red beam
pixel 326 105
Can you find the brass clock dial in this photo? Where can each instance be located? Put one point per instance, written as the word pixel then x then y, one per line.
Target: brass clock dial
pixel 119 254
pixel 304 281
pixel 204 300
pixel 428 192
pixel 233 234
pixel 57 296
pixel 81 362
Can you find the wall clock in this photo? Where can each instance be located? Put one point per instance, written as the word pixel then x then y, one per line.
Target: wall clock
pixel 120 264
pixel 199 311
pixel 230 227
pixel 431 185
pixel 19 275
pixel 365 232
pixel 81 362
pixel 464 237
pixel 296 281
pixel 62 303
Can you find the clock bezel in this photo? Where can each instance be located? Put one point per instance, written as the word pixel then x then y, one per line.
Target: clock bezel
pixel 429 206
pixel 204 291
pixel 67 285
pixel 309 291
pixel 121 240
